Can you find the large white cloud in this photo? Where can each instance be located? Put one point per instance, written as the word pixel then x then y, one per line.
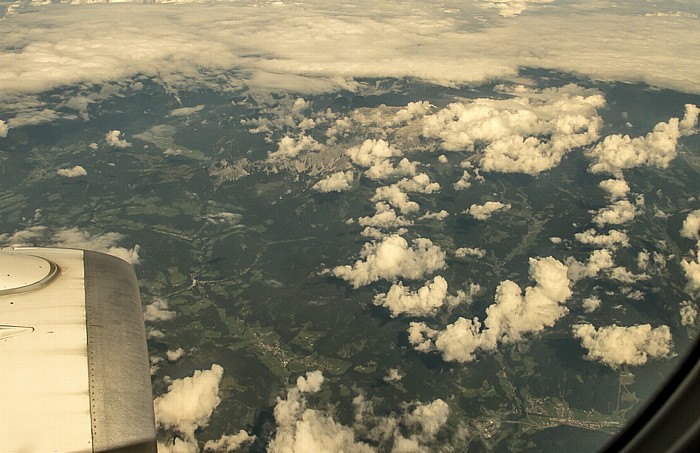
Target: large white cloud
pixel 618 345
pixel 512 132
pixel 657 148
pixel 392 258
pixel 512 316
pixel 189 403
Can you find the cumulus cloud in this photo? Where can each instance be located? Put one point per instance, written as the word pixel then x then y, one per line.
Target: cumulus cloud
pixel 616 188
pixel 691 268
pixel 463 182
pixel 689 313
pixel 384 217
pixel 289 147
pixel 691 226
pixel 174 355
pixel 598 261
pixel 189 403
pixel 618 213
pixel 657 148
pixel 72 172
pixel 590 304
pixel 158 311
pixel 476 252
pixel 396 197
pixel 392 258
pixel 228 443
pixel 486 210
pixel 431 417
pixel 617 345
pixel 384 169
pixel 4 129
pixel 441 215
pixel 113 138
pixel 611 240
pixel 300 429
pixel 426 301
pixel 512 132
pixel 337 182
pixel 512 316
pixel 371 152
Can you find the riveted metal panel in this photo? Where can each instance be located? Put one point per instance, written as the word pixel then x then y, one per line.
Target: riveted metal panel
pixel 121 402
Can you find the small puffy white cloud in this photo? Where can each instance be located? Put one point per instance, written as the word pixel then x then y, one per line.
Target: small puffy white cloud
pixel 464 252
pixel 113 138
pixel 4 129
pixel 384 217
pixel 392 258
pixel 337 182
pixel 615 188
pixel 288 147
pixel 555 240
pixel 691 226
pixel 691 268
pixel 431 417
pixel 443 159
pixel 610 240
pixel 591 304
pixel 158 311
pixel 174 355
pixel 617 345
pixel 689 313
pixel 371 152
pixel 384 169
pixel 72 172
pixel 618 213
pixel 486 210
pixel 622 274
pixel 442 215
pixel 463 182
pixel 419 183
pixel 400 300
pixel 311 383
pixel 189 402
pixel 512 8
pixel 229 443
pixel 657 148
pixel 393 375
pixel 395 197
pixel 599 260
pixel 512 316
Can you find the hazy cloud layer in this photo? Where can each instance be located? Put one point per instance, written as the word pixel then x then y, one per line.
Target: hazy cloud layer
pixel 269 47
